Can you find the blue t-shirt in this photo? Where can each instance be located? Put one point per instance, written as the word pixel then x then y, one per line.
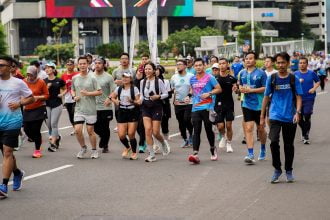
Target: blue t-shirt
pixel 256 79
pixel 208 70
pixel 236 68
pixel 282 108
pixel 307 82
pixel 294 65
pixel 199 86
pixel 191 70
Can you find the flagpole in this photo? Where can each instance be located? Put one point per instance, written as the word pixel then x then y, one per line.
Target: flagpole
pixel 124 26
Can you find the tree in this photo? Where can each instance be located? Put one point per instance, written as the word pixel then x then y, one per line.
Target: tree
pixel 244 33
pixel 52 52
pixel 3 45
pixel 111 50
pixel 58 30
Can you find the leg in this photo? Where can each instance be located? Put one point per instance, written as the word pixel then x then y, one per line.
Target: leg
pixel 37 134
pixel 156 131
pixel 8 163
pixel 249 128
pixel 274 136
pixel 55 114
pixel 78 127
pixel 92 135
pixel 229 130
pixel 221 128
pixel 197 129
pixel 179 114
pixel 70 110
pixel 131 135
pixel 187 119
pixel 208 130
pixel 48 120
pixel 140 130
pixel 147 122
pixel 289 132
pixel 308 124
pixel 122 132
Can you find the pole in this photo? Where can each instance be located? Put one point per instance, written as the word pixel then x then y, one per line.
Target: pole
pixel 184 49
pixel 325 30
pixel 302 43
pixel 124 25
pixel 271 46
pixel 252 25
pixel 236 45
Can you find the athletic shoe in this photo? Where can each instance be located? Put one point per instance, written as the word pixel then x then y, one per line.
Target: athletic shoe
pixel 150 159
pixel 262 155
pixel 166 136
pixel 306 141
pixel 156 148
pixel 194 159
pixel 3 191
pixel 134 156
pixel 95 154
pixel 289 176
pixel 115 129
pixel 190 141
pixel 142 149
pixel 105 150
pixel 72 133
pixel 276 176
pixel 166 148
pixel 229 148
pixel 244 141
pixel 126 153
pixel 219 137
pixel 222 142
pixel 52 148
pixel 215 156
pixel 185 144
pixel 82 153
pixel 249 159
pixel 17 181
pixel 58 141
pixel 37 154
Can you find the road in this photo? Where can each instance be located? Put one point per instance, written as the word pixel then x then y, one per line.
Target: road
pixel 171 188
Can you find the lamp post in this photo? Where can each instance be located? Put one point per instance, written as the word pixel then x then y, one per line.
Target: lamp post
pixel 12 48
pixel 325 29
pixel 302 43
pixel 124 25
pixel 252 25
pixel 184 48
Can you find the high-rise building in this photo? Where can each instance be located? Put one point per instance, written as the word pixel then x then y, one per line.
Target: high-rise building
pixel 315 16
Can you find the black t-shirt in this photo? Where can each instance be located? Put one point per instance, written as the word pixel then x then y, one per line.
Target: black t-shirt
pixel 54 88
pixel 225 100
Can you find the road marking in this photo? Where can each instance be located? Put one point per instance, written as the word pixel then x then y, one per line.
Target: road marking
pixel 63 128
pixel 322 93
pixel 44 173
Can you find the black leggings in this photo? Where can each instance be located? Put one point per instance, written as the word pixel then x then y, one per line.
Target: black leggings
pixel 32 130
pixel 322 81
pixel 198 118
pixel 70 109
pixel 140 130
pixel 183 115
pixel 101 127
pixel 305 125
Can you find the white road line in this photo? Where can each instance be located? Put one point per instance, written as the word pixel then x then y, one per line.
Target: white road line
pixel 63 128
pixel 44 173
pixel 322 93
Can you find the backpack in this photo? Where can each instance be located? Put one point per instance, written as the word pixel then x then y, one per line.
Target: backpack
pixel 292 84
pixel 132 92
pixel 156 85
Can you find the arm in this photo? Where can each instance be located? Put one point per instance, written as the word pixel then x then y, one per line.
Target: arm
pixel 24 101
pixel 217 89
pixel 313 90
pixel 44 91
pixel 265 102
pixel 255 90
pixel 296 117
pixel 162 90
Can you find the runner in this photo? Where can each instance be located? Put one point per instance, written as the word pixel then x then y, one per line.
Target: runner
pixel 84 90
pixel 56 88
pixel 182 101
pixel 213 60
pixel 103 103
pixel 269 66
pixel 309 83
pixel 216 70
pixel 153 91
pixel 224 105
pixel 190 66
pixel 252 84
pixel 285 106
pixel 322 72
pixel 203 86
pixel 13 94
pixel 236 66
pixel 126 97
pixel 294 63
pixel 41 73
pixel 69 103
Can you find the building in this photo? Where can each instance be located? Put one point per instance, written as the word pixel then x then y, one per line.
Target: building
pixel 315 16
pixel 93 22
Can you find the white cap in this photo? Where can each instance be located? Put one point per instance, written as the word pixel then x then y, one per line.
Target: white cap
pixel 216 65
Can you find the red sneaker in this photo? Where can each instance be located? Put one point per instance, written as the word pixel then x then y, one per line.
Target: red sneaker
pixel 194 159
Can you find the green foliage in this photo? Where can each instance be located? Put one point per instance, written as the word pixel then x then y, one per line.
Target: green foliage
pixel 49 52
pixel 111 50
pixel 244 33
pixel 142 48
pixel 3 45
pixel 58 28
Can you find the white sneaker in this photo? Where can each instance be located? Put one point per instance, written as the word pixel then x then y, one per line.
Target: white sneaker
pixel 156 149
pixel 150 159
pixel 82 153
pixel 166 148
pixel 229 148
pixel 222 143
pixel 95 154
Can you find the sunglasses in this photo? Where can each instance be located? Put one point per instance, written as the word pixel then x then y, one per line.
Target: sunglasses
pixel 3 65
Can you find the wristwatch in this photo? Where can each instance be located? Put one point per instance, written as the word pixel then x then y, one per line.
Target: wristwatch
pixel 299 112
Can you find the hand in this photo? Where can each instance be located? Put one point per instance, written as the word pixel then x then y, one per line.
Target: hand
pixel 205 95
pixel 311 91
pixel 296 118
pixel 242 89
pixel 155 97
pixel 84 92
pixel 138 102
pixel 76 99
pixel 248 90
pixel 187 100
pixel 116 101
pixel 49 85
pixel 234 88
pixel 60 95
pixel 107 102
pixel 13 106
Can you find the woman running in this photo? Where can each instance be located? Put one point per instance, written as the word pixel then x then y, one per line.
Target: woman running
pixel 56 88
pixel 35 113
pixel 126 97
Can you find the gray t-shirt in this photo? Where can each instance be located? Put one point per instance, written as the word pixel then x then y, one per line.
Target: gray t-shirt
pixel 87 104
pixel 181 85
pixel 107 84
pixel 125 97
pixel 118 73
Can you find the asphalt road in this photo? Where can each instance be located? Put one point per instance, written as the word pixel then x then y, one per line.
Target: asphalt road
pixel 59 186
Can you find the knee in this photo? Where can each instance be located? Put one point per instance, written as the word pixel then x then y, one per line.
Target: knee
pixel 148 132
pixel 122 136
pixel 248 128
pixel 7 154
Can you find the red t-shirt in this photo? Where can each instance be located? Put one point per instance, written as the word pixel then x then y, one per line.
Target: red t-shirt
pixel 67 78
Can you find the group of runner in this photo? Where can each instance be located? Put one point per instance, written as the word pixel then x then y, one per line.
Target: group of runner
pixel 142 100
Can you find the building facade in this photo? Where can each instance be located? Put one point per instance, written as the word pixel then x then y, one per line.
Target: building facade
pixel 315 16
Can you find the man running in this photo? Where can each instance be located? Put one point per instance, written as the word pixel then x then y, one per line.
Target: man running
pixel 84 90
pixel 224 105
pixel 180 82
pixel 14 93
pixel 204 86
pixel 252 85
pixel 236 66
pixel 309 83
pixel 269 66
pixel 285 106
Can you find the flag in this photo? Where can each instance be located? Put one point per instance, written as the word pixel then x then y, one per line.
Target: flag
pixel 132 42
pixel 152 29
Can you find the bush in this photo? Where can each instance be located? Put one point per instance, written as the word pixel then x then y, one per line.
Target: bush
pixel 3 45
pixel 49 52
pixel 111 50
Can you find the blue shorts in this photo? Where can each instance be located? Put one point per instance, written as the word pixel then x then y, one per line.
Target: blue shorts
pixel 307 107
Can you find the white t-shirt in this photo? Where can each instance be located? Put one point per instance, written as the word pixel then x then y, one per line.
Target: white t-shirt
pixel 42 74
pixel 271 72
pixel 11 91
pixel 181 85
pixel 126 98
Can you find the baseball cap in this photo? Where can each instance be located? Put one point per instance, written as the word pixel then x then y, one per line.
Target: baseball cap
pixel 216 65
pixel 32 70
pixel 127 74
pixel 51 64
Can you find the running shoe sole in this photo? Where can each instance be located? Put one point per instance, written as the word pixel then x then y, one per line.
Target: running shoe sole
pixel 249 161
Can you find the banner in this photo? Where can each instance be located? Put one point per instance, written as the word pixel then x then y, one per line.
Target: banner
pixel 152 29
pixel 132 42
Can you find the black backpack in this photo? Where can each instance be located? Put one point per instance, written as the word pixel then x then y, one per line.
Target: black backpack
pixel 292 84
pixel 156 85
pixel 132 92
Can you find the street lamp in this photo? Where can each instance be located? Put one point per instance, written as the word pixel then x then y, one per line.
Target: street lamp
pixel 12 34
pixel 124 25
pixel 252 25
pixel 184 48
pixel 302 43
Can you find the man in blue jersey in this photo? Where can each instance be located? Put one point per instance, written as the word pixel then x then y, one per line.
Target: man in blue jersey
pixel 309 83
pixel 285 105
pixel 14 93
pixel 252 84
pixel 236 66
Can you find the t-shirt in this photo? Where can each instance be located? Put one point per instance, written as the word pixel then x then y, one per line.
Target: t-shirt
pixel 126 98
pixel 42 74
pixel 11 90
pixel 54 88
pixel 181 85
pixel 118 73
pixel 271 72
pixel 225 99
pixel 294 65
pixel 208 70
pixel 87 104
pixel 236 68
pixel 282 106
pixel 107 84
pixel 307 82
pixel 199 86
pixel 67 78
pixel 38 88
pixel 256 79
pixel 150 88
pixel 191 70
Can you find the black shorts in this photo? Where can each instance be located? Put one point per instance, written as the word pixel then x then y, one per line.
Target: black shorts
pixel 224 115
pixel 154 111
pixel 128 115
pixel 251 115
pixel 9 138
